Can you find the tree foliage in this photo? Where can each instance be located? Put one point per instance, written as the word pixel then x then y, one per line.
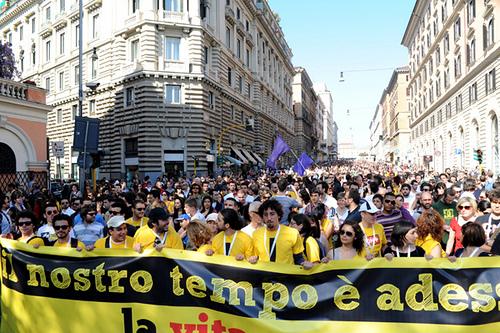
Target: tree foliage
pixel 8 68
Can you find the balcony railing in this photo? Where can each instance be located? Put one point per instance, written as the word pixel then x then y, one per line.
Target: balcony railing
pixel 177 17
pixel 13 89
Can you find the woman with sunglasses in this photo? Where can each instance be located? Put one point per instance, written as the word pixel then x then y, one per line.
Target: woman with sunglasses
pixel 349 243
pixel 403 238
pixel 466 208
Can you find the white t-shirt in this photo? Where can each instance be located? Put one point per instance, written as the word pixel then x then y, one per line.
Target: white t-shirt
pixel 46 231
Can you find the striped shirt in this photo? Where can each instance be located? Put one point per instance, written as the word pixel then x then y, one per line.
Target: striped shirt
pixel 388 220
pixel 88 233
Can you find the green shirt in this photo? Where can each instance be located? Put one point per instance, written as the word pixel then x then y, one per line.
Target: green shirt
pixel 447 212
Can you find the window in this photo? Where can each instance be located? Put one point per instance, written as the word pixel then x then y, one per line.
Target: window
pixel 446 78
pixel 490 81
pixel 458 66
pixel 471 52
pixel 238 48
pixel 248 59
pixel 21 33
pixel 172 48
pixel 448 110
pixel 135 5
pixel 249 90
pixel 172 5
pixel 458 103
pixel 457 29
pixel 247 25
pixel 228 37
pixel 93 68
pixel 444 13
pixel 47 14
pixel 47 51
pixel 59 116
pixel 33 25
pixel 76 74
pixel 47 84
pixel 233 113
pixel 74 111
pixel 206 54
pixel 95 26
pixel 230 76
pixel 471 11
pixel 240 84
pixel 129 96
pixel 238 13
pixel 77 35
pixel 473 93
pixel 134 50
pixel 488 34
pixel 211 100
pixel 61 81
pixel 438 87
pixel 92 107
pixel 172 94
pixel 446 43
pixel 33 54
pixel 9 38
pixel 62 36
pixel 131 147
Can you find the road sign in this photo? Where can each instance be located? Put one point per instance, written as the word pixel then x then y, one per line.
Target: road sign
pixel 84 160
pixel 458 151
pixel 58 148
pixel 86 134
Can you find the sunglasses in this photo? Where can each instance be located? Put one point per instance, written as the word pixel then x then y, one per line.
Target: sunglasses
pixel 91 214
pixel 392 202
pixel 464 207
pixel 347 233
pixel 426 190
pixel 137 209
pixel 61 227
pixel 114 212
pixel 22 224
pixel 50 212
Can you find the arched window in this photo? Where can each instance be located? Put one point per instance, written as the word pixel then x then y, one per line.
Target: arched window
pixel 7 159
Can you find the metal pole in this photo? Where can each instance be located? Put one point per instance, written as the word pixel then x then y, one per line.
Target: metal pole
pixel 82 171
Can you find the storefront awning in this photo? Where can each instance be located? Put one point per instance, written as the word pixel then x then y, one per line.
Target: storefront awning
pixel 233 160
pixel 249 156
pixel 239 154
pixel 257 157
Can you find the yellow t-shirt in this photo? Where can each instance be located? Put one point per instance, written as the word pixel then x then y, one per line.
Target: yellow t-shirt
pixel 313 252
pixel 101 243
pixel 287 244
pixel 146 237
pixel 32 240
pixel 142 222
pixel 170 206
pixel 242 244
pixel 324 225
pixel 204 248
pixel 374 239
pixel 68 244
pixel 428 243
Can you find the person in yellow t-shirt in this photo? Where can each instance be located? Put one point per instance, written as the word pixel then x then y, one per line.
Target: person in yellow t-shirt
pixel 374 235
pixel 62 226
pixel 117 238
pixel 309 235
pixel 231 241
pixel 138 219
pixel 25 222
pixel 158 233
pixel 200 236
pixel 430 228
pixel 276 242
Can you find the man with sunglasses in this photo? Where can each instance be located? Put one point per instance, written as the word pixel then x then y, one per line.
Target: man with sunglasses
pixel 89 230
pixel 491 222
pixel 390 215
pixel 65 208
pixel 47 230
pixel 138 219
pixel 25 222
pixel 62 227
pixel 117 238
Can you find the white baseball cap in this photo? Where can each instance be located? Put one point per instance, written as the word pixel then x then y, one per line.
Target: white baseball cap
pixel 366 207
pixel 116 221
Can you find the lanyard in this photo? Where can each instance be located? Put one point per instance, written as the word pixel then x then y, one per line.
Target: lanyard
pixel 162 240
pixel 273 246
pixel 230 246
pixel 408 254
pixel 371 246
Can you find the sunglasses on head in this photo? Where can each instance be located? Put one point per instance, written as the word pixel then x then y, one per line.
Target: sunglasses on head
pixel 347 233
pixel 21 224
pixel 61 227
pixel 464 207
pixel 392 202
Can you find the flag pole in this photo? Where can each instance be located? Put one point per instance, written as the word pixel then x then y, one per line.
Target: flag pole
pixel 298 159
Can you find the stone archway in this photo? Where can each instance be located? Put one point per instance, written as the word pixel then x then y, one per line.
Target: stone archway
pixel 7 159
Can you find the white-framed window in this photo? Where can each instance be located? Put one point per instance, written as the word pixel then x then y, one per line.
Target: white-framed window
pixel 47 14
pixel 472 93
pixel 95 26
pixel 458 66
pixel 446 43
pixel 489 33
pixel 92 107
pixel 47 84
pixel 446 78
pixel 129 96
pixel 238 48
pixel 172 94
pixel 33 25
pixel 134 50
pixel 458 103
pixel 230 76
pixel 47 51
pixel 490 81
pixel 471 11
pixel 134 6
pixel 228 37
pixel 62 38
pixel 241 84
pixel 59 116
pixel 76 74
pixel 172 5
pixel 172 47
pixel 9 38
pixel 206 55
pixel 62 5
pixel 74 111
pixel 211 100
pixel 457 30
pixel 248 58
pixel 93 68
pixel 77 35
pixel 21 33
pixel 233 112
pixel 471 52
pixel 61 81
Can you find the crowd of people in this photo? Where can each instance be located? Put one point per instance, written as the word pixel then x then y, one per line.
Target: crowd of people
pixel 339 212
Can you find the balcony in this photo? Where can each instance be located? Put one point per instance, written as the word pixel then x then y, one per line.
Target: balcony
pixel 60 22
pixel 13 89
pixel 46 29
pixel 174 17
pixel 230 16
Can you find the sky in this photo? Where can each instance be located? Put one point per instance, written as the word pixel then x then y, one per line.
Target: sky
pixel 353 36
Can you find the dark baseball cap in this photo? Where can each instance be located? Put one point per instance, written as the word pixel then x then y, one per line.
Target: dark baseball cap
pixel 158 214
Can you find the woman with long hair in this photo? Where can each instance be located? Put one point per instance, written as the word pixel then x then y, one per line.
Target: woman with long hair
pixel 473 238
pixel 349 243
pixel 313 251
pixel 430 228
pixel 206 206
pixel 178 210
pixel 403 238
pixel 199 235
pixel 466 208
pixel 439 191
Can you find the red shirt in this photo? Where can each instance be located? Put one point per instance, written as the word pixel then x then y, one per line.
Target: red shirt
pixel 458 233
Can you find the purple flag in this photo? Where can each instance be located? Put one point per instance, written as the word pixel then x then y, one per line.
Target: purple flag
pixel 302 164
pixel 280 147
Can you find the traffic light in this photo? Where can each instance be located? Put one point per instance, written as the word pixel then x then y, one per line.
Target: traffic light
pixel 479 153
pixel 96 159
